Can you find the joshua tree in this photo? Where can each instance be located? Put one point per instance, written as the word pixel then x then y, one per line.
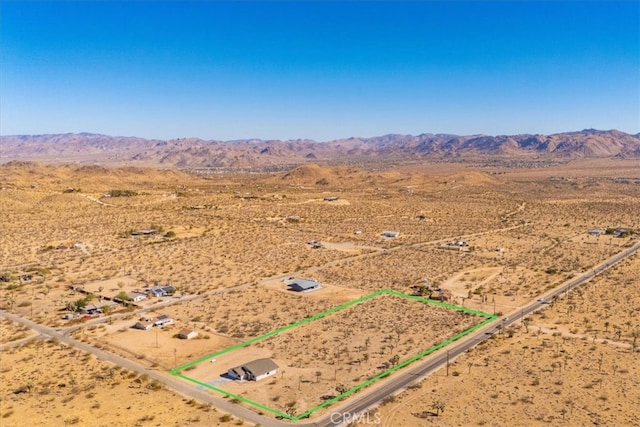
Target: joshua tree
pixel 291 411
pixel 618 333
pixel 11 301
pixel 318 375
pixel 438 406
pixel 394 360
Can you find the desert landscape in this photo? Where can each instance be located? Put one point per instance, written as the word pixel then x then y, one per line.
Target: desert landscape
pixel 91 251
pixel 319 213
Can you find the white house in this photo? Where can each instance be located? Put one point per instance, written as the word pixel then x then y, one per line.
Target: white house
pixel 162 321
pixel 137 297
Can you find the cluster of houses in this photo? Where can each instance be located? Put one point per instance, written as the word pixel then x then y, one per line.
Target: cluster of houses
pixel 136 296
pixel 156 292
pixel 616 232
pixel 164 321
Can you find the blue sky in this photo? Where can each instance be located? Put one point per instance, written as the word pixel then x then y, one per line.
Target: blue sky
pixel 320 70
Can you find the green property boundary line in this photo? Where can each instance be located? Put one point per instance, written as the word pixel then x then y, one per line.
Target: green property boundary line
pixel 177 370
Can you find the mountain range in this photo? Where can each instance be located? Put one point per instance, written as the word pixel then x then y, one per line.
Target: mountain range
pixel 255 153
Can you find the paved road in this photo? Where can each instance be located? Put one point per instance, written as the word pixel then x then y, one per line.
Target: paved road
pixel 415 372
pixel 174 383
pixel 364 400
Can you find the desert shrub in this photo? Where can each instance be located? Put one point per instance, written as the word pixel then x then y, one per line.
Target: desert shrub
pixel 122 193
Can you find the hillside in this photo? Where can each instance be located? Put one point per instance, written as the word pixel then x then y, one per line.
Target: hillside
pixel 90 148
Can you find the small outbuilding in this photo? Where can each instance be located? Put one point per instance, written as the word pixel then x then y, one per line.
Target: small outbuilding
pixel 187 334
pixel 391 234
pixel 254 370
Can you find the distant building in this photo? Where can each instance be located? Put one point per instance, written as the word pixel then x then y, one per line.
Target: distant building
pixel 302 285
pixel 391 234
pixel 315 244
pixel 162 321
pixel 594 232
pixel 144 232
pixel 187 334
pixel 254 371
pixel 161 291
pixel 142 325
pixel 618 232
pixel 331 198
pixel 137 297
pixel 90 309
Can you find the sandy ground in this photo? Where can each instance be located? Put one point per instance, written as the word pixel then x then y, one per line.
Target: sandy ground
pixel 228 254
pixel 570 364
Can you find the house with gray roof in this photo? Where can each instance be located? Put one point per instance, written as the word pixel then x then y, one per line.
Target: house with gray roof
pixel 302 285
pixel 254 370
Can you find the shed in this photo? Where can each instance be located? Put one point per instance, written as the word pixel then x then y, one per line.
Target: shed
pixel 187 334
pixel 391 234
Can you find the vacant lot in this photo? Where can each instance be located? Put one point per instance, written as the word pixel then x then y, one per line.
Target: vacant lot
pixel 340 351
pixel 569 364
pixel 44 384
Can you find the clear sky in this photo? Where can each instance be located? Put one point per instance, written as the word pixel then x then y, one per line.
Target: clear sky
pixel 320 70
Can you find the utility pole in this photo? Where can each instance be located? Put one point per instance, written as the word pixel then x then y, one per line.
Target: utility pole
pixel 175 357
pixel 447 362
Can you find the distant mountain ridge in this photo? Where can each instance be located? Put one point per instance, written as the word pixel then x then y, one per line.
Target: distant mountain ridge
pixel 199 153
